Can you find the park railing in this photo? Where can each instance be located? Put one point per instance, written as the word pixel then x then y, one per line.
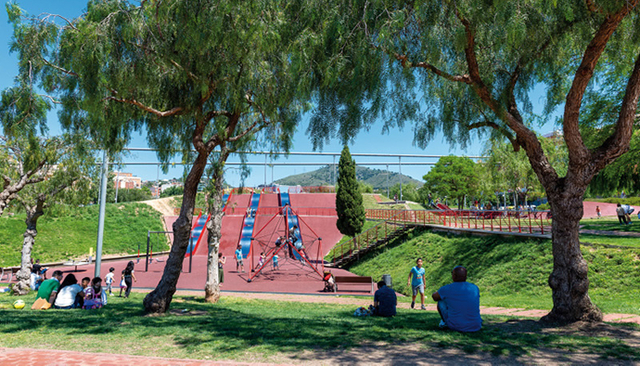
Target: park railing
pixel 513 221
pixel 389 228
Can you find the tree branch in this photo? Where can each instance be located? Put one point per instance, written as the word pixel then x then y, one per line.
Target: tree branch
pixel 252 128
pixel 593 7
pixel 61 17
pixel 172 112
pixel 64 71
pixel 618 143
pixel 457 78
pixel 577 151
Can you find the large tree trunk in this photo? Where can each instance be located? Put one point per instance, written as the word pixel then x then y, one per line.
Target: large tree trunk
pixel 24 274
pixel 214 227
pixel 159 300
pixel 568 281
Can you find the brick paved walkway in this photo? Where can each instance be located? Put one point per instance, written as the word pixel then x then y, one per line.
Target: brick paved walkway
pixel 35 357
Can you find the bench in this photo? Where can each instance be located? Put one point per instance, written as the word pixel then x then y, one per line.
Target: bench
pixel 78 263
pixel 350 280
pixel 9 272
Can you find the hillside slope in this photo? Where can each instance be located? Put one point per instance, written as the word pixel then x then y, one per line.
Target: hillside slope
pixel 510 272
pixel 70 232
pixel 324 176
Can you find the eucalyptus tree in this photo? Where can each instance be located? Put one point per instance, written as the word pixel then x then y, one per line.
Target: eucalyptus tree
pixel 468 68
pixel 67 177
pixel 197 76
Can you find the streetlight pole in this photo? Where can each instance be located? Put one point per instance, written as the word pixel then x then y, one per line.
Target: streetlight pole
pixel 103 202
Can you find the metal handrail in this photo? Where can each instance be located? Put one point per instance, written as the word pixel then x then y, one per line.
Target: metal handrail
pixel 521 221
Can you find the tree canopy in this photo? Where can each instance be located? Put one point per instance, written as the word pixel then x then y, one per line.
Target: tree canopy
pixel 453 176
pixel 468 68
pixel 200 78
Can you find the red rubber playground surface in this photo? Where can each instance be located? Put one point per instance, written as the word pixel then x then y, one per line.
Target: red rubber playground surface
pixel 317 220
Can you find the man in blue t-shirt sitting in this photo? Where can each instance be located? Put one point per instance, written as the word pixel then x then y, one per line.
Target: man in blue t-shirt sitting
pixel 459 303
pixel 384 301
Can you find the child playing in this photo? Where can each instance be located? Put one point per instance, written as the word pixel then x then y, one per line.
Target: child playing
pixel 260 261
pixel 123 285
pixel 275 262
pixel 93 295
pixel 108 279
pixel 239 262
pixel 221 261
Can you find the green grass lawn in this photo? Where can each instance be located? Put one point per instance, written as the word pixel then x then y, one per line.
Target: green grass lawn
pixel 510 272
pixel 70 232
pixel 610 224
pixel 260 330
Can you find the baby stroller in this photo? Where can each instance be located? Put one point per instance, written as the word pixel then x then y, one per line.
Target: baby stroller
pixel 329 282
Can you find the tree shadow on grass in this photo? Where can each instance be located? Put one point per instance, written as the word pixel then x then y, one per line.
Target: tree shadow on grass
pixel 318 331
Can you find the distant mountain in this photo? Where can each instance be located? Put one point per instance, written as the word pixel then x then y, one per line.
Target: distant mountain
pixel 324 176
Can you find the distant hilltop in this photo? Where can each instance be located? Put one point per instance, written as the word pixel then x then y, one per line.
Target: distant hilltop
pixel 325 176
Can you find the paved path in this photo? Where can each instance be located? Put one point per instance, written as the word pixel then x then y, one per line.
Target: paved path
pixel 35 357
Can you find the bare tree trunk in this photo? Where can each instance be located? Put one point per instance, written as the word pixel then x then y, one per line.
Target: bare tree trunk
pixel 568 280
pixel 24 274
pixel 214 227
pixel 159 300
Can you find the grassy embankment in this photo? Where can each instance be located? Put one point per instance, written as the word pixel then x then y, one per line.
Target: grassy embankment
pixel 70 232
pixel 261 331
pixel 510 272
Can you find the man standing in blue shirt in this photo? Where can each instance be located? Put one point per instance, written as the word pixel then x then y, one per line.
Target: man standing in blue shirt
pixel 416 282
pixel 459 303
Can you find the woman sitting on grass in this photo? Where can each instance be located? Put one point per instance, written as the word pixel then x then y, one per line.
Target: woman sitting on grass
pixel 93 295
pixel 69 288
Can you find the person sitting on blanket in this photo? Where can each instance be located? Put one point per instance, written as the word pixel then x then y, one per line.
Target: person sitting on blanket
pixel 48 289
pixel 384 301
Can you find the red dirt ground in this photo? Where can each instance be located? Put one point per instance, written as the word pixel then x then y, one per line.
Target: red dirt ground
pixel 607 209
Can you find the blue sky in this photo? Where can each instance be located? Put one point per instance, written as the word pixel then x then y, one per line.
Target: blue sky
pixel 372 141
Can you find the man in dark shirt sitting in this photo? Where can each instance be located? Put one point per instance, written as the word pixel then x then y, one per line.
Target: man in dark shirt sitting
pixel 384 301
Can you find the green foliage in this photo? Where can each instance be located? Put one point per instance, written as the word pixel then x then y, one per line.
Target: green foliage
pixel 410 192
pixel 124 67
pixel 23 111
pixel 133 194
pixel 510 272
pixel 172 191
pixel 452 176
pixel 67 231
pixel 623 175
pixel 508 170
pixel 364 187
pixel 351 215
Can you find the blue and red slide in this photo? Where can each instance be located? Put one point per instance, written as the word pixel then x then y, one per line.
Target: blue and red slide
pixel 197 230
pixel 247 226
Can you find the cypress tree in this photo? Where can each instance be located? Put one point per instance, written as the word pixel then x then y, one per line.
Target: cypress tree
pixel 351 214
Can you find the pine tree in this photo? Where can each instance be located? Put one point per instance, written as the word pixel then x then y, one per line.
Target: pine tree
pixel 351 214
